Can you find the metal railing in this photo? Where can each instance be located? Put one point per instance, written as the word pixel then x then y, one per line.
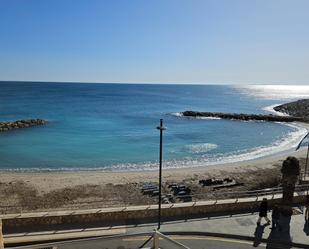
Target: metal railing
pixel 303 175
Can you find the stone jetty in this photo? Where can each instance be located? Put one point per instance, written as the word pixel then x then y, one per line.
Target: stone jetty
pixel 6 126
pixel 241 116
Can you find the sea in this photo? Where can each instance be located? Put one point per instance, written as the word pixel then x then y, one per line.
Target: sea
pixel 113 127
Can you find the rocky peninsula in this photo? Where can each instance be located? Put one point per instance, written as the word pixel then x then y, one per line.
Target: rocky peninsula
pixel 299 108
pixel 242 116
pixel 6 126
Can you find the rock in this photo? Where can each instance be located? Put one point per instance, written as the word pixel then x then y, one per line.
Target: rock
pixel 299 108
pixel 6 126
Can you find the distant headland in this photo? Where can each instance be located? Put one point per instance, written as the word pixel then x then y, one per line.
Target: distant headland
pixel 299 108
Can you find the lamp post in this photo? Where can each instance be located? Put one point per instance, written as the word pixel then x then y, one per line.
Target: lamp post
pixel 161 128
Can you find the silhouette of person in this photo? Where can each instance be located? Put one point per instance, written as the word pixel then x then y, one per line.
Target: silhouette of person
pixel 263 212
pixel 275 216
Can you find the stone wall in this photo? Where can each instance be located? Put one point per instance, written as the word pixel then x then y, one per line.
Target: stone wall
pixel 134 214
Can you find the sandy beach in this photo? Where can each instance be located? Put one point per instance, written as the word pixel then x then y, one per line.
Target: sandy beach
pixel 30 191
pixel 49 181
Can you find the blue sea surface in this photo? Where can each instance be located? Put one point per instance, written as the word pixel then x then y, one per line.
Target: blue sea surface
pixel 113 126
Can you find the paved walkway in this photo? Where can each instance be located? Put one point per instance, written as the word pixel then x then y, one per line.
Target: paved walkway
pixel 237 226
pixel 244 225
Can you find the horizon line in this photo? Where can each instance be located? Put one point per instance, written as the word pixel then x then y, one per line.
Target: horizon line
pixel 147 83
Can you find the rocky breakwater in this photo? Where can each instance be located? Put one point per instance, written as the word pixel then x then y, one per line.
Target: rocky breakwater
pixel 6 126
pixel 241 116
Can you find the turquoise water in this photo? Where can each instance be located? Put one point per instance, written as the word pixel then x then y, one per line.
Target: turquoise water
pixel 113 126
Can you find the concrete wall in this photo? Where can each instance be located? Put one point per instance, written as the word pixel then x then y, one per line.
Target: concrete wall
pixel 134 214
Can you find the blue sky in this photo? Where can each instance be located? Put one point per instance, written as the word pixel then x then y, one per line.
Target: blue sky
pixel 157 41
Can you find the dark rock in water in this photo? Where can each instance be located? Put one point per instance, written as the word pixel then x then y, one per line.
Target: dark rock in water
pixel 6 126
pixel 242 116
pixel 299 108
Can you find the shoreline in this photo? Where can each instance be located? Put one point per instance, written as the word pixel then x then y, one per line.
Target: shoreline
pixel 49 181
pixel 280 146
pixel 46 191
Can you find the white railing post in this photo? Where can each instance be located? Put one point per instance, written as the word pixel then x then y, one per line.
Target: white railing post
pixel 155 240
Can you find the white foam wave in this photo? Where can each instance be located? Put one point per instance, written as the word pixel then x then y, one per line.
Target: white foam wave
pixel 273 111
pixel 200 148
pixel 177 114
pixel 208 118
pixel 290 141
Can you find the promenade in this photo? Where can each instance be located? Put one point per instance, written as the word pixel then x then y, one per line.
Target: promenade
pixel 241 227
pixel 233 219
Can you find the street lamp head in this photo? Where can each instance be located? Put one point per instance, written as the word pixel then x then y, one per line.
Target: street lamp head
pixel 161 127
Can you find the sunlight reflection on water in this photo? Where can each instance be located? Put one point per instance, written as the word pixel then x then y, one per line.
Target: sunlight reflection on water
pixel 275 91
